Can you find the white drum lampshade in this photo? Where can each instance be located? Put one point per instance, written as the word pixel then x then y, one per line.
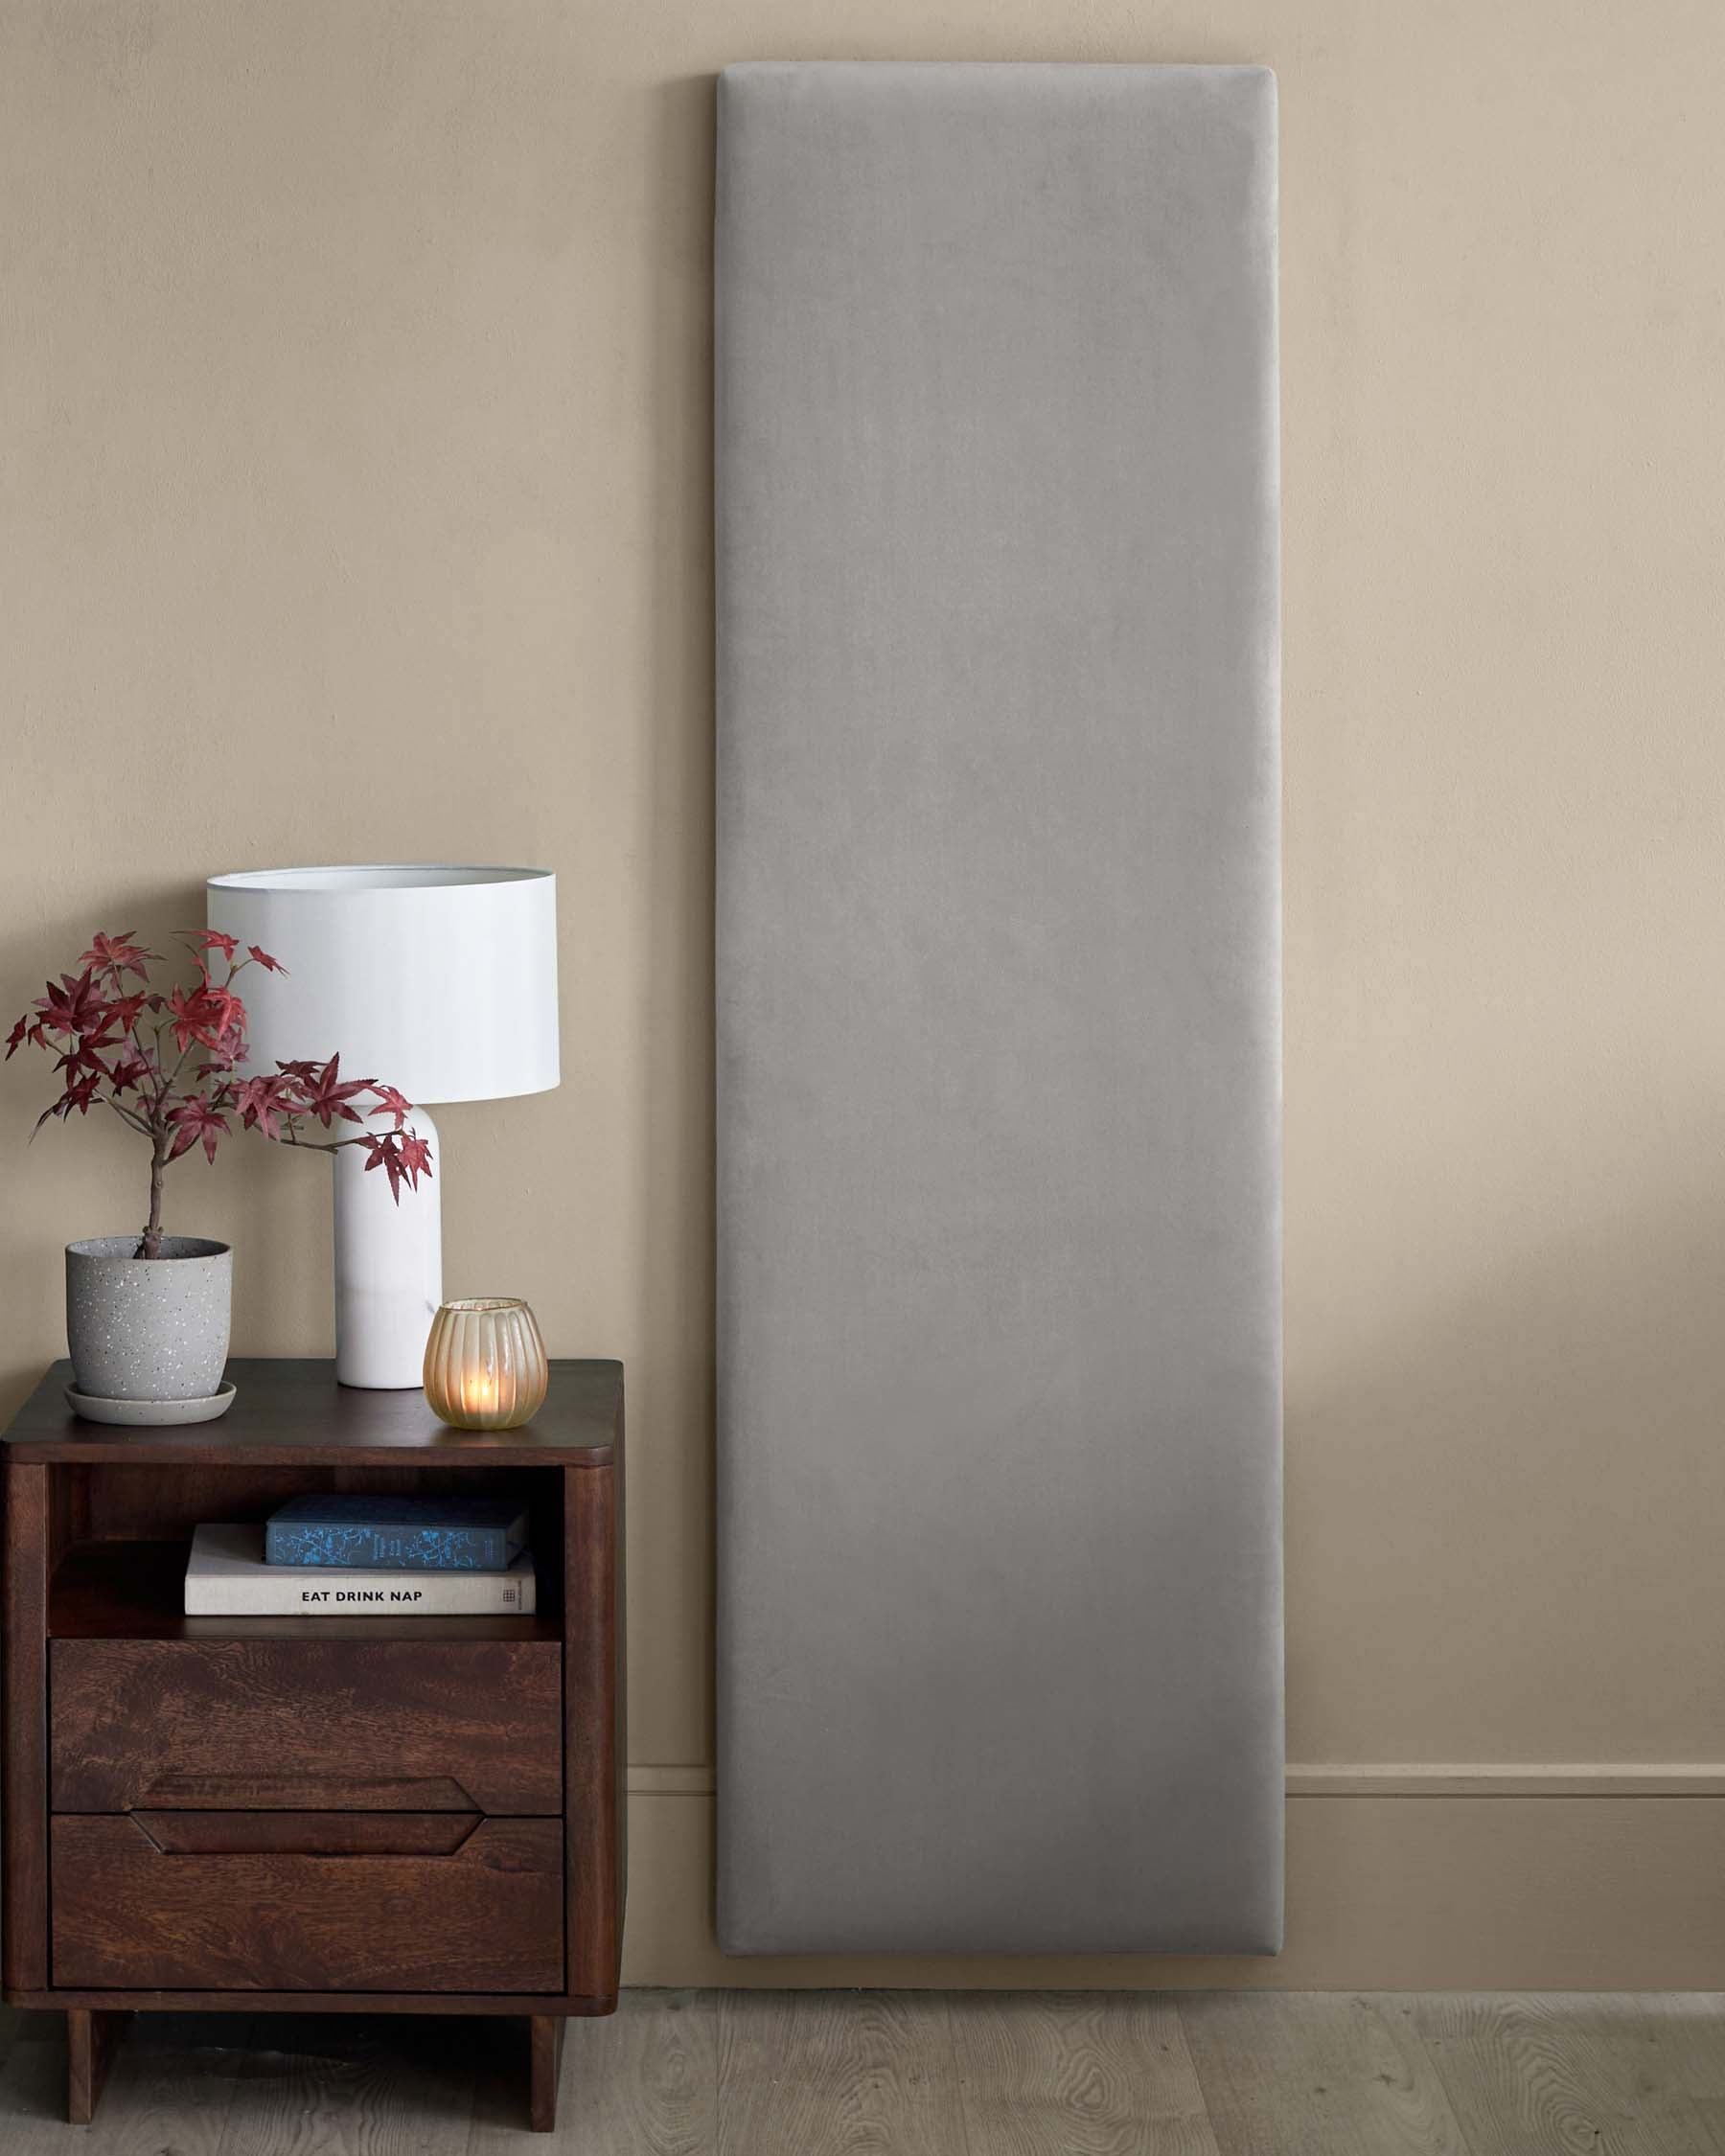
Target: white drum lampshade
pixel 439 980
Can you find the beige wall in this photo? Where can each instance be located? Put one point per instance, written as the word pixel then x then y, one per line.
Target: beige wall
pixel 354 454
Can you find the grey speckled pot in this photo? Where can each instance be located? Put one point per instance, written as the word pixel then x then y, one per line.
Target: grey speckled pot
pixel 149 1328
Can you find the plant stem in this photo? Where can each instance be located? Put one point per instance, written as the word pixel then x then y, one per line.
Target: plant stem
pixel 151 1245
pixel 314 1145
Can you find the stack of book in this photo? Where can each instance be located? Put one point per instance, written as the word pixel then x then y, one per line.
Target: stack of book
pixel 360 1556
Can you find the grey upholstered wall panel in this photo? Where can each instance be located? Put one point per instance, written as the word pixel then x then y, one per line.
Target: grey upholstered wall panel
pixel 999 1107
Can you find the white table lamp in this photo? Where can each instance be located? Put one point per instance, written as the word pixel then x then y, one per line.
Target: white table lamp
pixel 439 980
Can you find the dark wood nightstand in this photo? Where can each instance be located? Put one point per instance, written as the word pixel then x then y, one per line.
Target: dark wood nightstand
pixel 387 1815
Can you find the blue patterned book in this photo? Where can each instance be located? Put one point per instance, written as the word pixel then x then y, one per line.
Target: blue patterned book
pixel 399 1534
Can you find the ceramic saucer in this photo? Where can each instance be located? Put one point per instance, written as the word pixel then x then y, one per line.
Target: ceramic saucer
pixel 95 1409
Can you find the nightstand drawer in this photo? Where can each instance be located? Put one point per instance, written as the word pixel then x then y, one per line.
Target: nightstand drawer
pixel 238 1901
pixel 311 1725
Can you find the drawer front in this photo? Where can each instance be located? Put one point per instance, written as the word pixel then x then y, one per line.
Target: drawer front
pixel 306 1725
pixel 267 1902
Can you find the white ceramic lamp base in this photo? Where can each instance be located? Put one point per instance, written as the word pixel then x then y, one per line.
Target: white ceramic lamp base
pixel 388 1269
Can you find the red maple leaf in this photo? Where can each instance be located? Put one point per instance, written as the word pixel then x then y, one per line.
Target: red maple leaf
pixel 213 939
pixel 416 1157
pixel 197 1119
pixel 81 1055
pixel 209 1016
pixel 125 1010
pixel 386 1153
pixel 128 1074
pixel 269 964
pixel 392 1103
pixel 72 1007
pixel 403 1158
pixel 103 1034
pixel 116 954
pixel 232 1033
pixel 326 1097
pixel 190 1018
pixel 25 1030
pixel 264 1101
pixel 79 1096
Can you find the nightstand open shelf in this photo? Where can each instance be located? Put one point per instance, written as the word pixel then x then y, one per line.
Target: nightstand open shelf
pixel 392 1814
pixel 135 1589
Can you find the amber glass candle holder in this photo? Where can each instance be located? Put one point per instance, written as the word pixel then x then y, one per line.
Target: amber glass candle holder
pixel 485 1364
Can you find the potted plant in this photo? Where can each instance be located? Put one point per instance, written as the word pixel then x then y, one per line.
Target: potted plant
pixel 148 1312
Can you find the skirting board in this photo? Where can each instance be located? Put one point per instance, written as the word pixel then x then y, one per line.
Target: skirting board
pixel 1386 1891
pixel 1560 1778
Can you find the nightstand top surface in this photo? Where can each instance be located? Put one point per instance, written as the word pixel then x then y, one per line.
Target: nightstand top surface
pixel 291 1408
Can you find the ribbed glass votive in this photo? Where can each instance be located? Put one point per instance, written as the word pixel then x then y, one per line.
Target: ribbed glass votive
pixel 485 1364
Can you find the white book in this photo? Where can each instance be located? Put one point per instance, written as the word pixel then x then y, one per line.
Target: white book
pixel 228 1575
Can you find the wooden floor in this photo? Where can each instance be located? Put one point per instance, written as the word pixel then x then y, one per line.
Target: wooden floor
pixel 918 2073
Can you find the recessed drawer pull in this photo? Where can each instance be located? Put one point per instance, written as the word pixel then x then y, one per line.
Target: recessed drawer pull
pixel 311 1793
pixel 320 1834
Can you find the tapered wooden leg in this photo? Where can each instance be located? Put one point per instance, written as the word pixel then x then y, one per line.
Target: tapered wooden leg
pixel 546 2032
pixel 90 2041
